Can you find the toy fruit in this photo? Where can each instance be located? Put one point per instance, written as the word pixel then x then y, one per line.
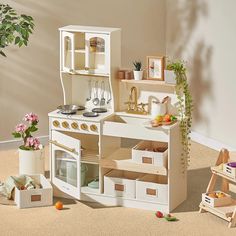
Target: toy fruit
pixel 59 205
pixel 22 187
pixel 213 195
pixel 220 195
pixel 169 217
pixel 167 118
pixel 159 214
pixel 173 118
pixel 159 118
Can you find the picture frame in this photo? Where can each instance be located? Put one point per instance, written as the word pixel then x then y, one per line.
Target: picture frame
pixel 155 67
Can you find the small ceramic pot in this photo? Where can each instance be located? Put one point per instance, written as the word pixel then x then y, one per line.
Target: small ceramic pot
pixel 138 75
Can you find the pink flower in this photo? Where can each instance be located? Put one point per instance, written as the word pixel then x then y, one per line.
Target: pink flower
pixel 31 118
pixel 33 142
pixel 20 128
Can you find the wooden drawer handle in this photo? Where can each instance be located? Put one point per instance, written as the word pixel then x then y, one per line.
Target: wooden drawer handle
pixel 147 160
pixel 35 198
pixel 152 192
pixel 119 187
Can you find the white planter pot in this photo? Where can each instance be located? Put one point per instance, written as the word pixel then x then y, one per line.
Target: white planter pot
pixel 138 75
pixel 169 77
pixel 31 162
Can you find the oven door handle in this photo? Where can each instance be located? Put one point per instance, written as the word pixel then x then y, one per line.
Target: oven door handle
pixel 63 146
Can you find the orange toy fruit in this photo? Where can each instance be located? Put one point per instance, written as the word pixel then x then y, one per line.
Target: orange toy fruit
pixel 167 118
pixel 59 205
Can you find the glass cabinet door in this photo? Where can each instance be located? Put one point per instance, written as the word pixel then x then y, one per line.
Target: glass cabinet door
pixel 97 52
pixel 68 50
pixel 65 163
pixel 65 167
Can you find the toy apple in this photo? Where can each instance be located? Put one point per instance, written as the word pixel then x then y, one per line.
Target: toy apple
pixel 159 214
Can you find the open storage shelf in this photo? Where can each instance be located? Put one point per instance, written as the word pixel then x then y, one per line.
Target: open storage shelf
pixel 224 212
pixel 216 170
pixel 121 160
pixel 148 82
pixel 90 157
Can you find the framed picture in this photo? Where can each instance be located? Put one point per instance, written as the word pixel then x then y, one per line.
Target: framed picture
pixel 155 70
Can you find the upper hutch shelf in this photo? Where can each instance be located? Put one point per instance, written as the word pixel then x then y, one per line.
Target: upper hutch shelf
pixel 148 82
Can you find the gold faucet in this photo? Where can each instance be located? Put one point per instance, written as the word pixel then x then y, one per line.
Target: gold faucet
pixel 133 106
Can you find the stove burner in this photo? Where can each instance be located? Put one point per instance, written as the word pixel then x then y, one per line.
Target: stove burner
pixel 70 109
pixel 99 110
pixel 90 114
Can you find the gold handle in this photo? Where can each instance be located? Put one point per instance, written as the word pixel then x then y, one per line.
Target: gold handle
pixel 65 124
pixel 63 146
pixel 93 128
pixel 74 125
pixel 84 127
pixel 56 123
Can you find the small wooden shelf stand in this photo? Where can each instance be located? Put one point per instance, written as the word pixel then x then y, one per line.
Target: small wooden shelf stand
pixel 228 212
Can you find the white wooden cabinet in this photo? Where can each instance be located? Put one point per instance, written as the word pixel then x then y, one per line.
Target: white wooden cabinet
pixel 85 53
pixel 91 55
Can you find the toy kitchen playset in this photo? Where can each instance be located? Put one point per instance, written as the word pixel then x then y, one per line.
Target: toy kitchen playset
pixel 103 148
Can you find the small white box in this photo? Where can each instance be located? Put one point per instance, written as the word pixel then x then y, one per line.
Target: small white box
pixel 230 171
pixel 158 158
pixel 216 202
pixel 35 197
pixel 152 188
pixel 120 183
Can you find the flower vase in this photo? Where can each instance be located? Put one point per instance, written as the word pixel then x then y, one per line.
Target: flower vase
pixel 31 162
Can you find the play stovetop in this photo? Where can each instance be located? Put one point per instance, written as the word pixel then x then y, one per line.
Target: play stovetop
pixel 79 115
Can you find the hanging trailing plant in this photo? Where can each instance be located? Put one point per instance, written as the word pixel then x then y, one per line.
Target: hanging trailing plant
pixel 185 108
pixel 14 28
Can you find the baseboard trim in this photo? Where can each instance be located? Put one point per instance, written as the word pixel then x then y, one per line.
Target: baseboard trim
pixel 14 143
pixel 209 142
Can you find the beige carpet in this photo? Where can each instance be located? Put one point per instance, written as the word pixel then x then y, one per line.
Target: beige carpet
pixel 92 219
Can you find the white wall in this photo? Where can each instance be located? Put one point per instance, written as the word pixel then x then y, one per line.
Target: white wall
pixel 29 77
pixel 202 32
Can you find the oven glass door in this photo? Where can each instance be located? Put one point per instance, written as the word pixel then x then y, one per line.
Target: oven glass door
pixel 65 152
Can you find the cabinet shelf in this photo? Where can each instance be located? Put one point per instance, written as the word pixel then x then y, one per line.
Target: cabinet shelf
pixel 86 73
pixel 90 157
pixel 149 82
pixel 121 160
pixel 224 212
pixel 216 170
pixel 86 189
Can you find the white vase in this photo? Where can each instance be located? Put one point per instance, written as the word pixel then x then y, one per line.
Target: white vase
pixel 170 76
pixel 31 162
pixel 138 75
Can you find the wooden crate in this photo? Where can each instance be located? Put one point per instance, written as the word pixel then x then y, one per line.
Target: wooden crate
pixel 158 158
pixel 230 171
pixel 120 183
pixel 152 188
pixel 35 197
pixel 216 202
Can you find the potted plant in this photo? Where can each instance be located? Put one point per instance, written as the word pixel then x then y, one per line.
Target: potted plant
pixel 14 28
pixel 31 159
pixel 185 107
pixel 138 72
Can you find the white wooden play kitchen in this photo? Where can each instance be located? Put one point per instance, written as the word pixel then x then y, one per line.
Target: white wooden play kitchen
pixel 105 151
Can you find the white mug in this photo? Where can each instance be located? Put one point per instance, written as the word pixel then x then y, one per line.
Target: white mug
pixel 158 109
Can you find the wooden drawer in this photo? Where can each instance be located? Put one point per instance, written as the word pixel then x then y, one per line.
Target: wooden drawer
pixel 150 152
pixel 152 188
pixel 119 127
pixel 120 183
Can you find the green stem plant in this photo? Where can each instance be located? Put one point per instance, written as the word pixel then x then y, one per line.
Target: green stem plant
pixel 185 108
